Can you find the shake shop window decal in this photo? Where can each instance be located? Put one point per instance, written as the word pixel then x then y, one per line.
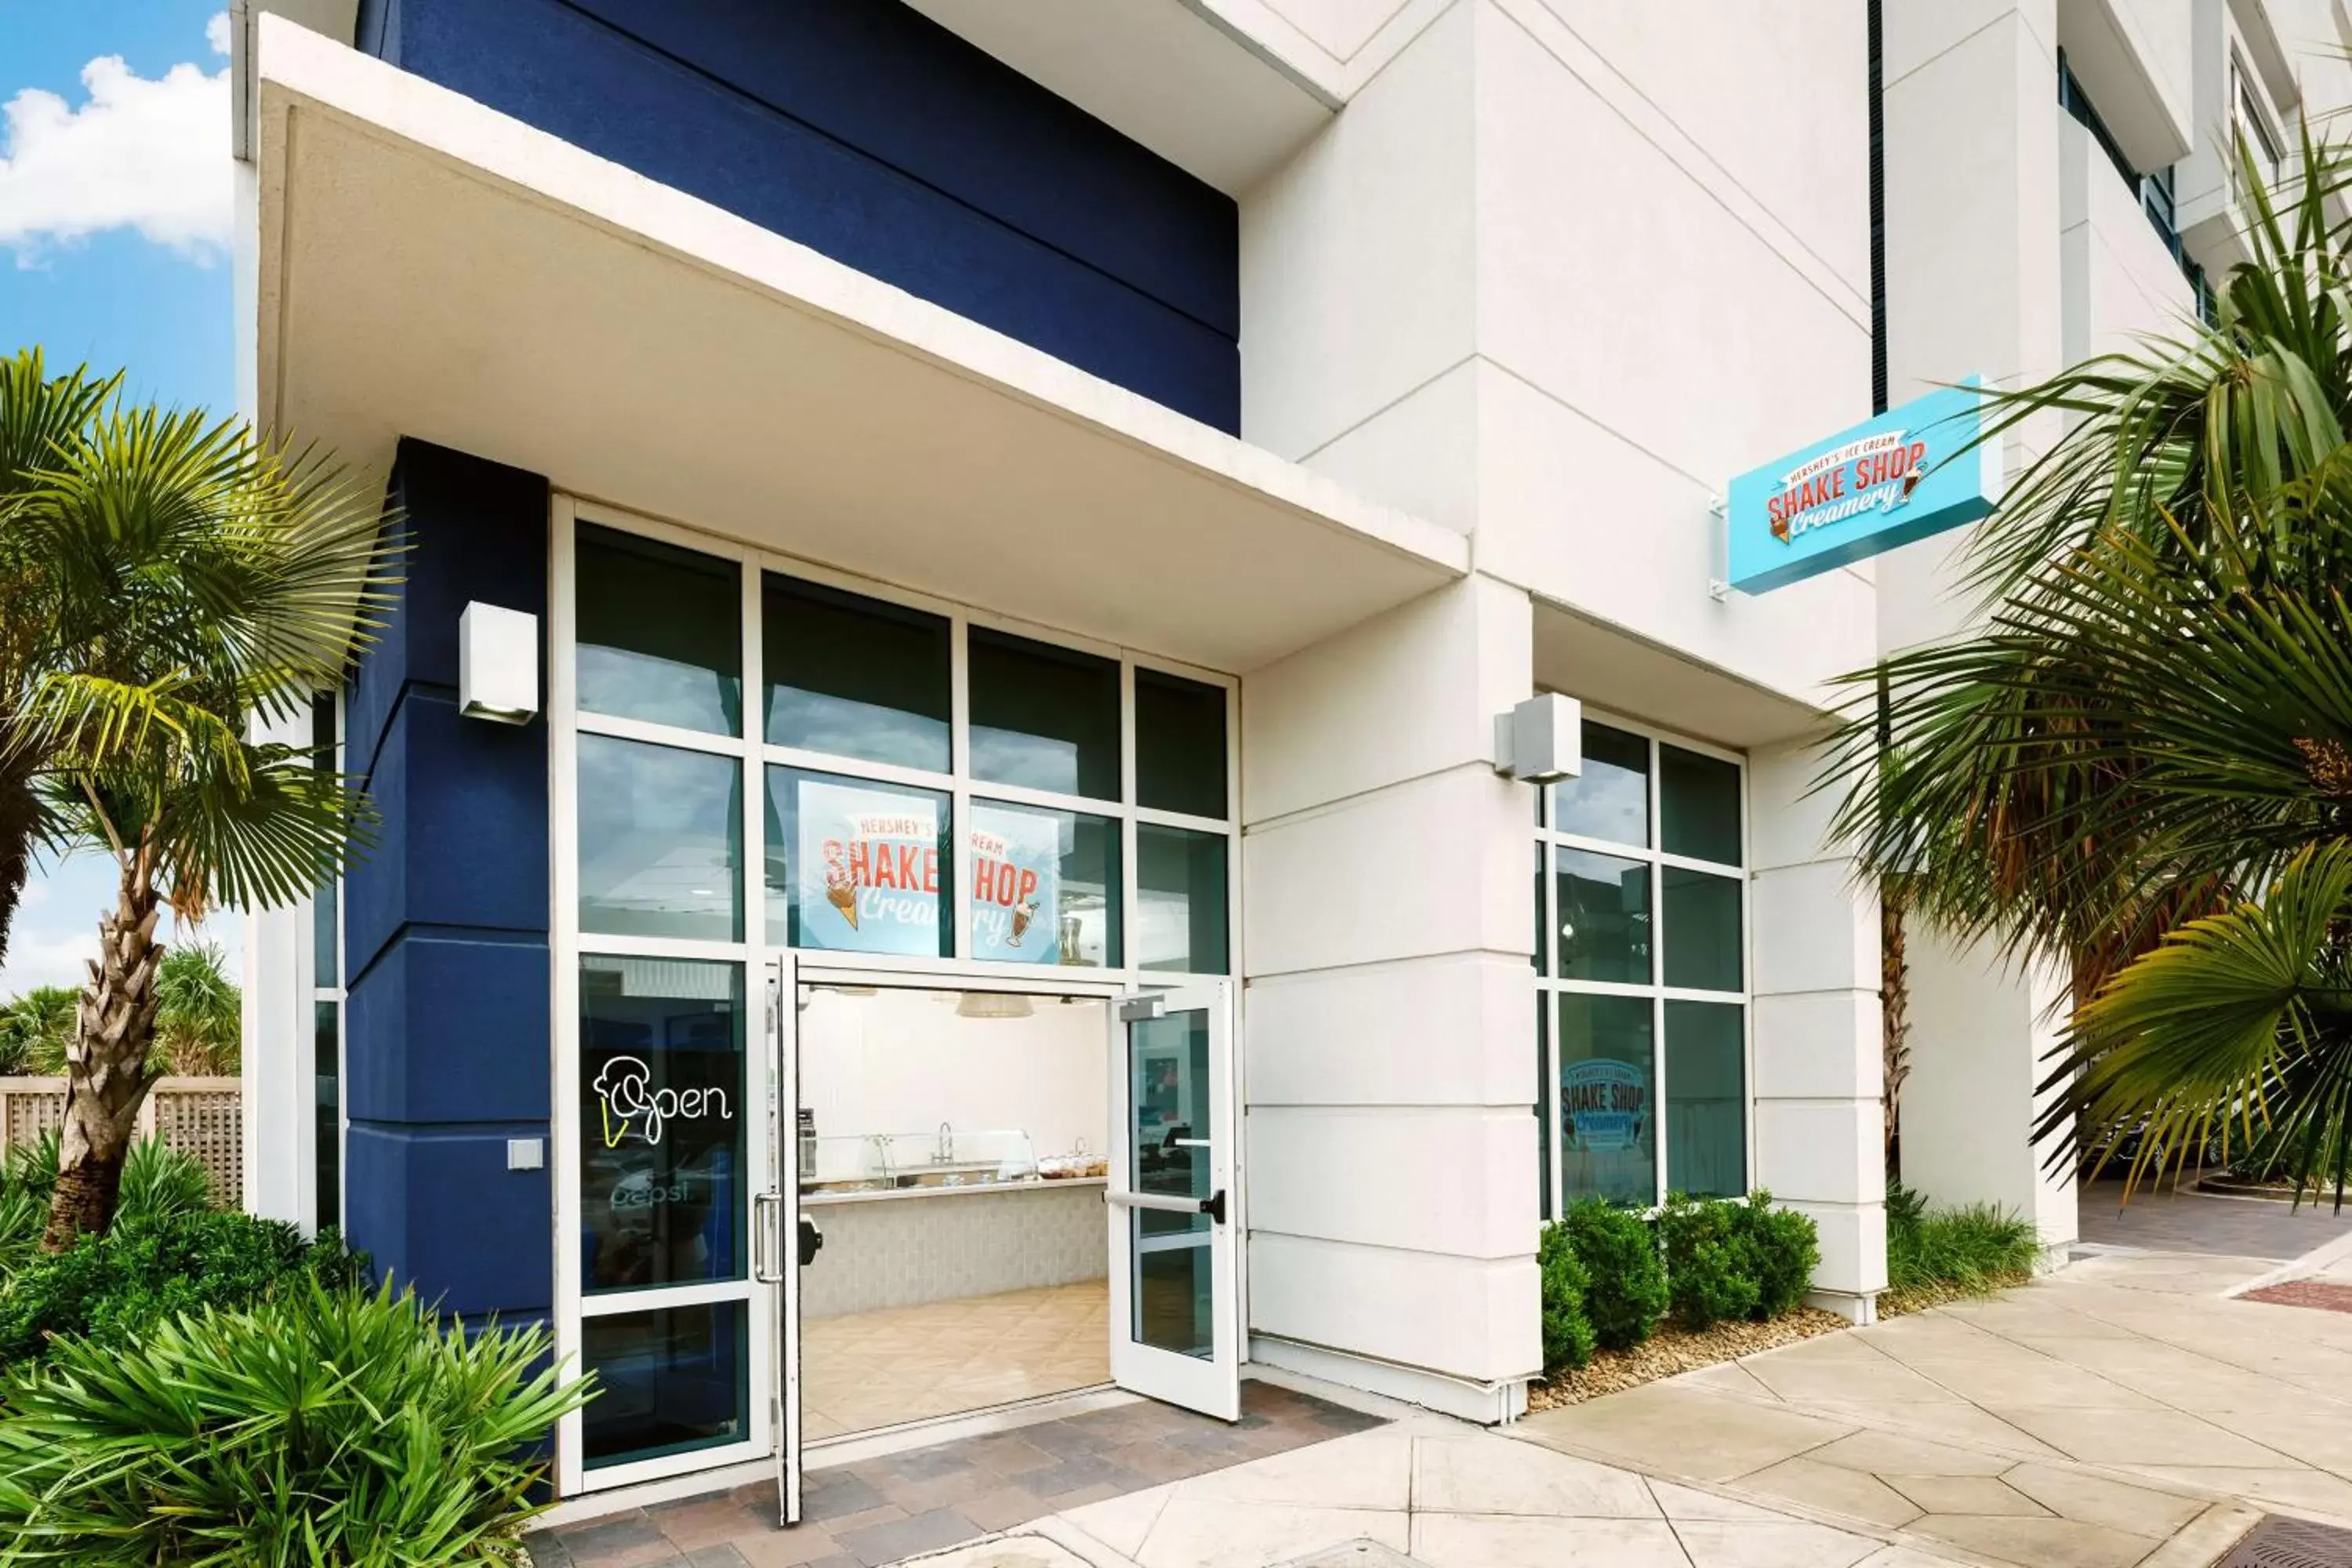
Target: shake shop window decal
pixel 869 869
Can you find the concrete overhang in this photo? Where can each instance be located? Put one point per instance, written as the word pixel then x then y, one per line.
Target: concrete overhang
pixel 1175 75
pixel 427 267
pixel 1613 670
pixel 2268 52
pixel 2111 55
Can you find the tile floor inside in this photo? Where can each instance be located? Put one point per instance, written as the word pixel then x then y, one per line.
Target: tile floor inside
pixel 866 1370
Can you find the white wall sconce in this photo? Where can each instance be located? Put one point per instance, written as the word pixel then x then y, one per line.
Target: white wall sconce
pixel 1541 740
pixel 498 664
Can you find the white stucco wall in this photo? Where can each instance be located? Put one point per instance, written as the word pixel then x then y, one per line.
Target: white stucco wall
pixel 1389 1024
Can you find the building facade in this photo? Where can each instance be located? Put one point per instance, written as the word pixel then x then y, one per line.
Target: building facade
pixel 1040 507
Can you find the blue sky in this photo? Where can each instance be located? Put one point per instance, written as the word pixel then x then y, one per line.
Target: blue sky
pixel 113 221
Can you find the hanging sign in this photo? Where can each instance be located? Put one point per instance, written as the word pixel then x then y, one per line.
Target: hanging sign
pixel 1606 1103
pixel 869 870
pixel 1907 474
pixel 1017 873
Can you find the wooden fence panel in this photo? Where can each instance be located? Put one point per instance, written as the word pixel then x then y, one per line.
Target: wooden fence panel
pixel 200 1117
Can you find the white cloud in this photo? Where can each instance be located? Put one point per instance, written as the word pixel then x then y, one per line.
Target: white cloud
pixel 149 154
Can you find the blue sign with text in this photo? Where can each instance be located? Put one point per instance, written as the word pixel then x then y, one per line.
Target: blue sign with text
pixel 1903 476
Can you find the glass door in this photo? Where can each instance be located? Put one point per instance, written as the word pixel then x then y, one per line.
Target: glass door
pixel 1175 1329
pixel 783 1240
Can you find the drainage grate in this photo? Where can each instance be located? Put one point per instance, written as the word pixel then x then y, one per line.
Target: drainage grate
pixel 2277 1542
pixel 1362 1553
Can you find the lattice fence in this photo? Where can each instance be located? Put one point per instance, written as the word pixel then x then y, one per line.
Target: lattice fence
pixel 203 1117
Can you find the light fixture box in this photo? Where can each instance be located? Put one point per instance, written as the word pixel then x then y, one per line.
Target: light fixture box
pixel 1541 740
pixel 498 664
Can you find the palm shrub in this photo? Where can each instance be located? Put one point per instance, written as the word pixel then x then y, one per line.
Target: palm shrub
pixel 2139 763
pixel 320 1426
pixel 172 583
pixel 159 1184
pixel 1625 1290
pixel 1564 1281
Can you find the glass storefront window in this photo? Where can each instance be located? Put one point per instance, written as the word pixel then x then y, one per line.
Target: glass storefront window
pixel 1609 800
pixel 854 865
pixel 1603 915
pixel 1044 717
pixel 1180 744
pixel 856 676
pixel 662 1121
pixel 661 840
pixel 1706 1099
pixel 327 1088
pixel 1702 929
pixel 1608 1137
pixel 660 632
pixel 1622 938
pixel 668 1381
pixel 1698 805
pixel 1180 881
pixel 1045 886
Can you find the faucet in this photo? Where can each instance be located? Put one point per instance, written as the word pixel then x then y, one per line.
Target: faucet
pixel 943 1151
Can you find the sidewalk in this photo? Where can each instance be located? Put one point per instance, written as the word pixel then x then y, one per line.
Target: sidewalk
pixel 2120 1413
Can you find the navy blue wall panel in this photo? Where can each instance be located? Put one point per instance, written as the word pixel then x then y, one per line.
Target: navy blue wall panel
pixel 446 919
pixel 471 1014
pixel 436 1207
pixel 865 131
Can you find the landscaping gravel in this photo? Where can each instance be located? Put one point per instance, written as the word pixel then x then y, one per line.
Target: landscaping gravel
pixel 1670 1350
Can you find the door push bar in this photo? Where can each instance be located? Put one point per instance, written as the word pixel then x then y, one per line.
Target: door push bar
pixel 1213 1206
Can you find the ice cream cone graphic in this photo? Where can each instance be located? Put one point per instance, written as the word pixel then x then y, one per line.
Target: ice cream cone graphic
pixel 842 894
pixel 1023 914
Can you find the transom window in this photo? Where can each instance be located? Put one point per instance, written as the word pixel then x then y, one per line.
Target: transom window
pixel 1642 972
pixel 765 755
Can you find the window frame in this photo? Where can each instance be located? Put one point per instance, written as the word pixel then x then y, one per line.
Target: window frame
pixel 754 756
pixel 1549 985
pixel 336 996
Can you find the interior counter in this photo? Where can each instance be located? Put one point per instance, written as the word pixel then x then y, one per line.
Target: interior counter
pixel 903 1246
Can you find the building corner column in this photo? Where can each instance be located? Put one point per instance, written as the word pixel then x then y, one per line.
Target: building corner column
pixel 1817 1035
pixel 1390 1026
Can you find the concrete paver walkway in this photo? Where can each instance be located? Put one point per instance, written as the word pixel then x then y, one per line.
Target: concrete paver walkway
pixel 2122 1412
pixel 2165 1220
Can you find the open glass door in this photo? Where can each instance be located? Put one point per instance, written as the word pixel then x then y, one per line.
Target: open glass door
pixel 1175 1328
pixel 783 1238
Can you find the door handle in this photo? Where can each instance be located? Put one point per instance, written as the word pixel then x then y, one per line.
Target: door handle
pixel 811 1242
pixel 766 1209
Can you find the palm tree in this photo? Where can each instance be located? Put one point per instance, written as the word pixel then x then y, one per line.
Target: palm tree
pixel 2141 762
pixel 34 1027
pixel 199 1020
pixel 172 584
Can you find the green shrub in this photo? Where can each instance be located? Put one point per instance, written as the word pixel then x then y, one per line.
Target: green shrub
pixel 1625 1293
pixel 1783 1248
pixel 319 1426
pixel 1971 1250
pixel 1567 1332
pixel 1708 1269
pixel 158 1183
pixel 113 1288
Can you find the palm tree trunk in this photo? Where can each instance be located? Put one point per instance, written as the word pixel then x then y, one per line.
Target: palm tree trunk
pixel 1895 1001
pixel 105 1065
pixel 18 811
